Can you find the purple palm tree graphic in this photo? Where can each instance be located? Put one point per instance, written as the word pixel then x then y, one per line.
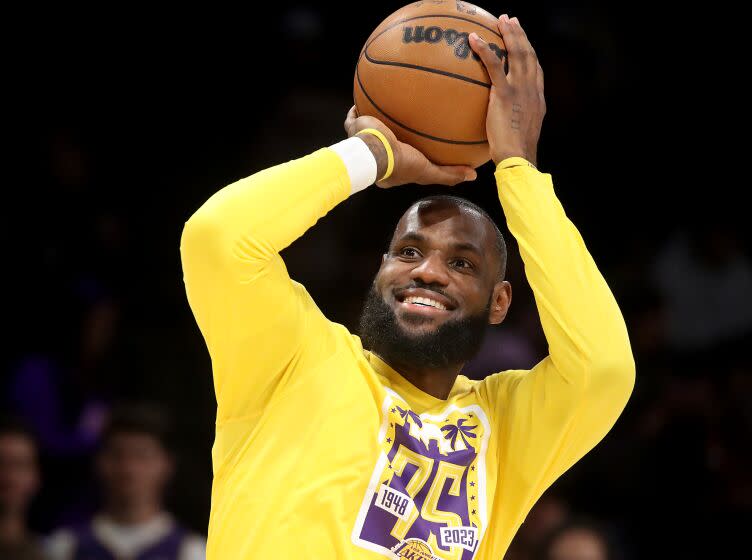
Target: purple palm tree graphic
pixel 410 414
pixel 452 431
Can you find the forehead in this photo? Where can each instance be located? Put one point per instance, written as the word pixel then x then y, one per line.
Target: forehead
pixel 16 444
pixel 446 220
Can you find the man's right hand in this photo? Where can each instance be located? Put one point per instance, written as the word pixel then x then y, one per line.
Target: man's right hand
pixel 516 104
pixel 410 165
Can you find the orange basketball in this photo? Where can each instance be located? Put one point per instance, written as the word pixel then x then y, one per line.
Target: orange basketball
pixel 418 75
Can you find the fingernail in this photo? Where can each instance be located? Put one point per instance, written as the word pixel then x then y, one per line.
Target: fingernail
pixel 505 18
pixel 516 21
pixel 470 175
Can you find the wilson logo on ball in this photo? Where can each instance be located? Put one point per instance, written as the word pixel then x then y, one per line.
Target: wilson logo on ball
pixel 453 38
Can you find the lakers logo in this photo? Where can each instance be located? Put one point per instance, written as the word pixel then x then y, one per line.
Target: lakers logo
pixel 414 549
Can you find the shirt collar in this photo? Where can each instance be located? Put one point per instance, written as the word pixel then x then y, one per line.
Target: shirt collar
pixel 418 399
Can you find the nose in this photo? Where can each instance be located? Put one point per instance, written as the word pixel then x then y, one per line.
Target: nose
pixel 431 270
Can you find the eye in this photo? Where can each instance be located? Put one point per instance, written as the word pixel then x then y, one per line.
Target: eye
pixel 408 252
pixel 462 263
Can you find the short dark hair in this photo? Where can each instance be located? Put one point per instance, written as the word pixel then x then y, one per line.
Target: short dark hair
pixel 140 418
pixel 500 245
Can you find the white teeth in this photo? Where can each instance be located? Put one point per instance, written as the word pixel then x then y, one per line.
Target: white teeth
pixel 425 301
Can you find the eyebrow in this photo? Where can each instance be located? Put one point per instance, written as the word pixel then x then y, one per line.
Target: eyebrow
pixel 463 246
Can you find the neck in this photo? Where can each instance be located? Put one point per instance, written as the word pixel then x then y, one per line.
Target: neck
pixel 12 528
pixel 437 382
pixel 134 513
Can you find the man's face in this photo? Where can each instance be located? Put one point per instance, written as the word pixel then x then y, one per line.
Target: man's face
pixel 134 467
pixel 437 283
pixel 19 478
pixel 447 249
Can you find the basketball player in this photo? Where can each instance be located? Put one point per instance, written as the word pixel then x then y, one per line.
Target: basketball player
pixel 334 445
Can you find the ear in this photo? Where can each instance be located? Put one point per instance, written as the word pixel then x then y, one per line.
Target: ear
pixel 500 302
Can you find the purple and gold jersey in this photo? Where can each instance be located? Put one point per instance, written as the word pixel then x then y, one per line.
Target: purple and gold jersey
pixel 322 450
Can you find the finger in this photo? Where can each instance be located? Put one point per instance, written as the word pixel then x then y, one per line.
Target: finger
pixel 447 175
pixel 494 65
pixel 518 47
pixel 352 114
pixel 540 87
pixel 528 48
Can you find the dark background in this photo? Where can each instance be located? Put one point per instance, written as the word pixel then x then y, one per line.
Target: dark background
pixel 122 124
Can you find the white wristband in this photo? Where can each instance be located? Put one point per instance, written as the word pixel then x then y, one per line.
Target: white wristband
pixel 359 161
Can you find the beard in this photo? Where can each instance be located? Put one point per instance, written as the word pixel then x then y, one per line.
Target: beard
pixel 455 342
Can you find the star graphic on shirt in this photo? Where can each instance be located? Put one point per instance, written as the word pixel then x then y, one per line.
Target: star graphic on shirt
pixel 471 497
pixel 470 415
pixel 391 425
pixel 473 512
pixel 394 410
pixel 389 440
pixel 390 466
pixel 472 484
pixel 472 468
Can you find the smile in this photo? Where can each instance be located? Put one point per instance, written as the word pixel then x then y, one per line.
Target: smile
pixel 415 301
pixel 420 301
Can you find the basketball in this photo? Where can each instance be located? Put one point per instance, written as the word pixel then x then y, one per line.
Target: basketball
pixel 418 75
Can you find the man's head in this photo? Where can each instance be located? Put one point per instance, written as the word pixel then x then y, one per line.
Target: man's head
pixel 578 539
pixel 134 462
pixel 19 471
pixel 440 284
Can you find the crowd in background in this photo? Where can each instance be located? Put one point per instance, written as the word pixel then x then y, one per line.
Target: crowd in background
pixel 119 160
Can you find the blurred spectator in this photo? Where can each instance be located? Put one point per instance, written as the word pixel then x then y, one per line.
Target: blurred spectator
pixel 578 539
pixel 705 278
pixel 134 465
pixel 62 393
pixel 19 482
pixel 504 347
pixel 549 512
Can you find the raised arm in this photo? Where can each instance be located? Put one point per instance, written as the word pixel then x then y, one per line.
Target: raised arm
pixel 553 415
pixel 254 319
pixel 259 325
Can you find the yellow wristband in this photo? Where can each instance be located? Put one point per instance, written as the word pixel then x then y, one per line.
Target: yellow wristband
pixel 514 161
pixel 387 147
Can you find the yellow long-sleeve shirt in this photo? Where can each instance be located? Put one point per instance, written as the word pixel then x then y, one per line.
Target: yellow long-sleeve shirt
pixel 322 450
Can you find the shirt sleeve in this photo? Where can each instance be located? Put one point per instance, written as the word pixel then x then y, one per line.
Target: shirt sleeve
pixel 548 418
pixel 259 325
